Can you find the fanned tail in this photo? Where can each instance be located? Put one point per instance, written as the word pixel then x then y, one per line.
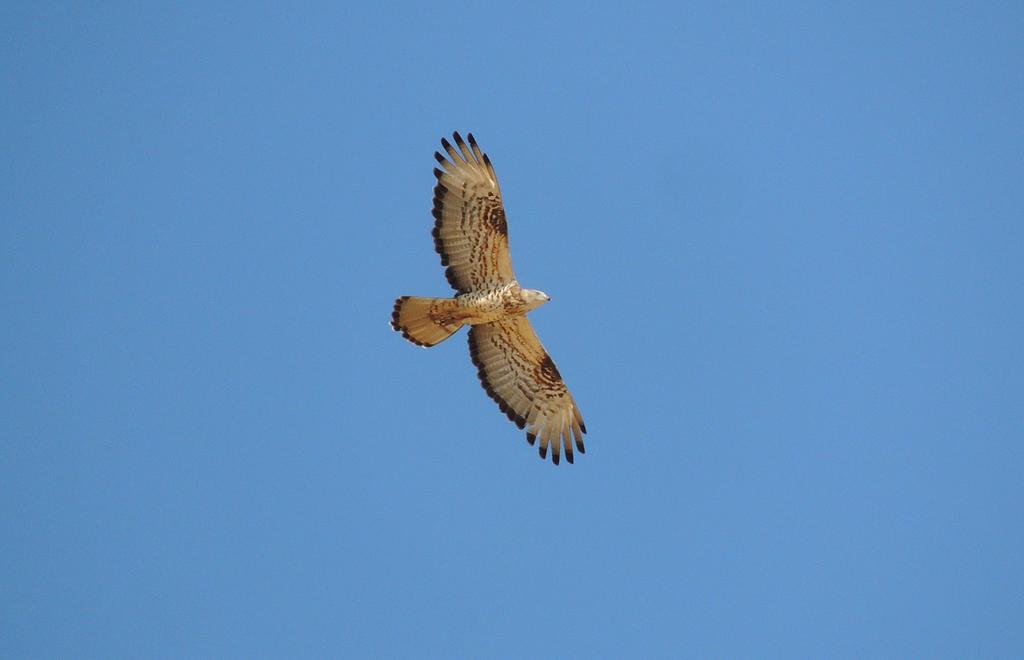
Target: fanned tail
pixel 425 321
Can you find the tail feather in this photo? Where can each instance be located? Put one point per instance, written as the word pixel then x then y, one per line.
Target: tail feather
pixel 425 321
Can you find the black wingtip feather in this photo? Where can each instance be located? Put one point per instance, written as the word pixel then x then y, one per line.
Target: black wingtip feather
pixel 531 438
pixel 458 138
pixel 472 140
pixel 438 173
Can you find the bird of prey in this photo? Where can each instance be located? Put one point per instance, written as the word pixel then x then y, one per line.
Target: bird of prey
pixel 471 235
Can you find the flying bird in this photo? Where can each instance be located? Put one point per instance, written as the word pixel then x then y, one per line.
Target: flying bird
pixel 471 235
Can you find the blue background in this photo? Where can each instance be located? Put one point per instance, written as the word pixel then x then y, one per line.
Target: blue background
pixel 784 247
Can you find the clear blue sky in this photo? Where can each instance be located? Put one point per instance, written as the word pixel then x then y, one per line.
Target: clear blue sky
pixel 785 248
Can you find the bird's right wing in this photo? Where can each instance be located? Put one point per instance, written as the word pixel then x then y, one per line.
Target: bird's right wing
pixel 470 232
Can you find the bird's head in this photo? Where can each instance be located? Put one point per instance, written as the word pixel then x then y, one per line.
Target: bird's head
pixel 534 298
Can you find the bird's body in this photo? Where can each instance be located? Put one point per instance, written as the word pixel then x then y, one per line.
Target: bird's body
pixel 492 304
pixel 499 303
pixel 471 235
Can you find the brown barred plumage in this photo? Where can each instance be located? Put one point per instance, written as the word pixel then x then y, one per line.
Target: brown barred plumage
pixel 471 236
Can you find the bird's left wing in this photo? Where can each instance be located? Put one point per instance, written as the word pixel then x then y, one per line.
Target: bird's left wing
pixel 520 376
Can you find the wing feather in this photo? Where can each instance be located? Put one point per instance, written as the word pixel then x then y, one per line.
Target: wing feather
pixel 476 149
pixel 456 157
pixel 470 229
pixel 462 147
pixel 520 376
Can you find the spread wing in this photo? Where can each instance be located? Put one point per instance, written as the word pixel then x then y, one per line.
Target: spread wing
pixel 470 232
pixel 519 375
